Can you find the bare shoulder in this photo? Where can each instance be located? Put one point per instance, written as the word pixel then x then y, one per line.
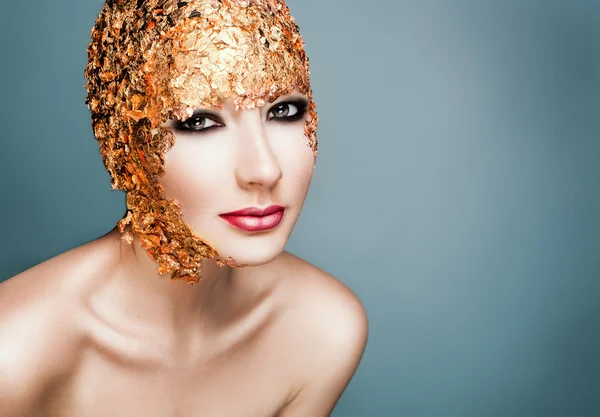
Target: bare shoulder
pixel 327 329
pixel 323 301
pixel 38 332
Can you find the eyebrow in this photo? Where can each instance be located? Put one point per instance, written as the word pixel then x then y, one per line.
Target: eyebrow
pixel 202 110
pixel 292 96
pixel 213 111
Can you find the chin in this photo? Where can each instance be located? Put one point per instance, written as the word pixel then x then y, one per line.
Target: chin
pixel 253 249
pixel 250 254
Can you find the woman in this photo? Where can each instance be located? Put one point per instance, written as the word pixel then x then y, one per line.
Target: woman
pixel 204 116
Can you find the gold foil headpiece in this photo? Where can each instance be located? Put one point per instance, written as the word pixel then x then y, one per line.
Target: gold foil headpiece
pixel 154 60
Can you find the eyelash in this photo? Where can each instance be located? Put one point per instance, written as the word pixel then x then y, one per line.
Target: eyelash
pixel 301 106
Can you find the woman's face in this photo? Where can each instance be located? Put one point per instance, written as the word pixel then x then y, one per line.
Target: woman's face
pixel 225 160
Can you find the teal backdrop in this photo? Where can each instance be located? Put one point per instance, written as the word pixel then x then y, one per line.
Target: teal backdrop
pixel 456 190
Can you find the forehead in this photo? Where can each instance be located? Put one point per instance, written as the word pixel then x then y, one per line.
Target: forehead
pixel 246 54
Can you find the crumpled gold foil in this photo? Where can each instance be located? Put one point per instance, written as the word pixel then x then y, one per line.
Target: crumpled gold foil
pixel 149 61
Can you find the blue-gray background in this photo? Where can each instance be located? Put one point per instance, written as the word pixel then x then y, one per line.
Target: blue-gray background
pixel 456 190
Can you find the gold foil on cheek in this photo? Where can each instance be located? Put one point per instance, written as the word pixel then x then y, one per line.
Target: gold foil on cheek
pixel 153 60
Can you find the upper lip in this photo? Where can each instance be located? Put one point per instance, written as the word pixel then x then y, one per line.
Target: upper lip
pixel 254 211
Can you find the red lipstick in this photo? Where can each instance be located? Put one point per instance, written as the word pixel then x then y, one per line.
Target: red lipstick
pixel 254 219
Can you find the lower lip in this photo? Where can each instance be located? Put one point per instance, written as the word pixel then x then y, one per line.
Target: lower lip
pixel 254 223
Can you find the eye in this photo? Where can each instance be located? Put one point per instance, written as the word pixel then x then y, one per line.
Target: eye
pixel 198 123
pixel 283 110
pixel 288 111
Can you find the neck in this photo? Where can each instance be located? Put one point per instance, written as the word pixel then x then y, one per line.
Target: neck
pixel 161 301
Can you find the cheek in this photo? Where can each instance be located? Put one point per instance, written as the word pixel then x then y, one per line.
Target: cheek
pixel 296 159
pixel 302 168
pixel 195 173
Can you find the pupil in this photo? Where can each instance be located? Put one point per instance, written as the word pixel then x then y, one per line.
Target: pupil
pixel 282 110
pixel 198 122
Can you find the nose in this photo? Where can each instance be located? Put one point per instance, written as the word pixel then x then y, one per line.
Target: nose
pixel 257 164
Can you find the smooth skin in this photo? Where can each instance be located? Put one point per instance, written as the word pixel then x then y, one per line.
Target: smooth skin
pixel 96 331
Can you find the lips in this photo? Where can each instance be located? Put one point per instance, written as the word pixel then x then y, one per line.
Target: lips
pixel 254 211
pixel 255 219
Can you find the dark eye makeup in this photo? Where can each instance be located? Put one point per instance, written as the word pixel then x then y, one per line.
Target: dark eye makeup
pixel 199 122
pixel 288 111
pixel 283 112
